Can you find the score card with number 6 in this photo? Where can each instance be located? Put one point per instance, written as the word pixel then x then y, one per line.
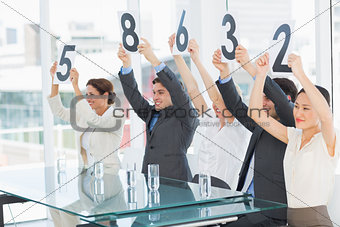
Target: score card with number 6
pixel 182 35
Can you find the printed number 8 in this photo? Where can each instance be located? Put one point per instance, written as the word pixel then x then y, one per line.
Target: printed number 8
pixel 129 32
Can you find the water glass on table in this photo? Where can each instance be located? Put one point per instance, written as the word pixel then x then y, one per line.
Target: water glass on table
pixel 153 176
pixel 204 185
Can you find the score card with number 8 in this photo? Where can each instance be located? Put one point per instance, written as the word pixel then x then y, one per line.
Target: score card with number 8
pixel 129 28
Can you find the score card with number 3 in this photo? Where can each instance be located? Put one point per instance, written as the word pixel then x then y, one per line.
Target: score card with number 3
pixel 229 36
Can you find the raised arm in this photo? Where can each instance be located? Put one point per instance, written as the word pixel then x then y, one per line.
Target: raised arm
pixel 214 95
pixel 86 112
pixel 256 110
pixel 283 106
pixel 179 97
pixel 130 87
pixel 242 57
pixel 54 100
pixel 318 102
pixel 229 93
pixel 189 80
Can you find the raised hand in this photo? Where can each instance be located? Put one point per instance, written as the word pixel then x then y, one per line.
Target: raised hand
pixel 294 62
pixel 262 65
pixel 221 66
pixel 124 56
pixel 241 55
pixel 194 50
pixel 74 76
pixel 53 69
pixel 146 49
pixel 171 42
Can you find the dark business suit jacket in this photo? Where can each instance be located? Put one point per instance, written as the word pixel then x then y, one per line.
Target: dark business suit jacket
pixel 173 132
pixel 269 181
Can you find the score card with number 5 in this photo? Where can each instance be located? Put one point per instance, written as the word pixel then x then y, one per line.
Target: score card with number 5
pixel 66 57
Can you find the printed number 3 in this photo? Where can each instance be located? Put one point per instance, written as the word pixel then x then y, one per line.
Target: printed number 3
pixel 229 19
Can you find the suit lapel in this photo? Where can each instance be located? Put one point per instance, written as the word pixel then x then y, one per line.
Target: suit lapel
pixel 250 151
pixel 158 122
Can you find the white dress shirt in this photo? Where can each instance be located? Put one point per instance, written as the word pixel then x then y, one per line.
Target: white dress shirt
pixel 309 172
pixel 221 152
pixel 102 145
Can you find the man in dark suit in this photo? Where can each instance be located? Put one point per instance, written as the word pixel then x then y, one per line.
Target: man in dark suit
pixel 170 122
pixel 262 171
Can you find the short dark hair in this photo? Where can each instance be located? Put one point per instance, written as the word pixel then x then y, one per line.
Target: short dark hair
pixel 103 85
pixel 288 87
pixel 323 91
pixel 156 80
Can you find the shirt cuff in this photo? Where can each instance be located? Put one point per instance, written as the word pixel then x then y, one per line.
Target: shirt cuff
pixel 125 71
pixel 160 67
pixel 226 80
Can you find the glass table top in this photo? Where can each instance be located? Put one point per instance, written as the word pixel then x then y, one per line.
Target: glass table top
pixel 188 214
pixel 80 193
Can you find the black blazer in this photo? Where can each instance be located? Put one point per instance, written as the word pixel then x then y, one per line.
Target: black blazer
pixel 269 181
pixel 173 132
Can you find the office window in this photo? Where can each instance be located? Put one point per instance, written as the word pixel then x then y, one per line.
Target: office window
pixel 11 35
pixel 96 34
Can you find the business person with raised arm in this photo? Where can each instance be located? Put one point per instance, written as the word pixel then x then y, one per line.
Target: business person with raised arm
pixel 170 122
pixel 312 149
pixel 223 139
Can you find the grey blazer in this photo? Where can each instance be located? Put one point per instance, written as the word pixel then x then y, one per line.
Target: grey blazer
pixel 269 181
pixel 173 132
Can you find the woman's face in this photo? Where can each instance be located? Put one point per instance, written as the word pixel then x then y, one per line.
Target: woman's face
pixel 221 114
pixel 95 103
pixel 304 114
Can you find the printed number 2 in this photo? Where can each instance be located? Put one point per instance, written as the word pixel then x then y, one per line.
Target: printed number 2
pixel 278 66
pixel 67 61
pixel 129 32
pixel 229 19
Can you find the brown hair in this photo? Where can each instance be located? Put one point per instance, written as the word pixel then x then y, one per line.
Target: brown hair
pixel 103 85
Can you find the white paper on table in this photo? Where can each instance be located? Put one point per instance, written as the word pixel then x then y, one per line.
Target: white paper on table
pixel 277 45
pixel 185 24
pixel 62 67
pixel 129 45
pixel 224 41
